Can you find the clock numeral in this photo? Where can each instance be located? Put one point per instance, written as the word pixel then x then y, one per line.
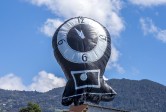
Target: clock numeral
pixel 61 42
pixel 84 57
pixel 103 37
pixel 80 19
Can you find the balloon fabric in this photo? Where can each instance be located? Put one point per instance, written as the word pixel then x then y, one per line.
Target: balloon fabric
pixel 82 47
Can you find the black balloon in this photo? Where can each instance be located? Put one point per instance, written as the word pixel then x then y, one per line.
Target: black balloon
pixel 82 48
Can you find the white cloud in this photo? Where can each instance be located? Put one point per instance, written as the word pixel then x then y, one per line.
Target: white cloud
pixel 113 63
pixel 42 82
pixel 11 82
pixel 149 27
pixel 161 35
pixel 118 68
pixel 46 81
pixel 105 11
pixel 114 54
pixel 148 3
pixel 50 26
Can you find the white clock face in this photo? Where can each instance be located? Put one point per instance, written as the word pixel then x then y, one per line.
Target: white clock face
pixel 82 40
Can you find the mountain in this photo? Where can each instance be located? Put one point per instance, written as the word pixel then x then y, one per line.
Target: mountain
pixel 133 95
pixel 138 96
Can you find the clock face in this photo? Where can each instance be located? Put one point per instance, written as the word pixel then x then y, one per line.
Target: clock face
pixel 82 40
pixel 85 39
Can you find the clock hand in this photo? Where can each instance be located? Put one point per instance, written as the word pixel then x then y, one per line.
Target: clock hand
pixel 80 33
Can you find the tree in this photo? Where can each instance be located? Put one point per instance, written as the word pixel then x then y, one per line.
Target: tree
pixel 31 107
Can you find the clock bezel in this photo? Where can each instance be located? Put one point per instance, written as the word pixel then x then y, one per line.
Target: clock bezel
pixel 76 56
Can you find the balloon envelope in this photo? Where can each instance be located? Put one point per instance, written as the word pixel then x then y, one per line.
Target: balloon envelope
pixel 82 48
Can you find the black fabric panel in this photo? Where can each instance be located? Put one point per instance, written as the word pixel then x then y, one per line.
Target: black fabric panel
pixel 84 92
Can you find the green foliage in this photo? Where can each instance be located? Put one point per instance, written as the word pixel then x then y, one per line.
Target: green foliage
pixel 31 107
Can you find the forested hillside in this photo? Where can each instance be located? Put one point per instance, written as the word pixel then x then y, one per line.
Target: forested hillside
pixel 135 96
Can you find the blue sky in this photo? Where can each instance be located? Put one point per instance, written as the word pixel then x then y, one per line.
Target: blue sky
pixel 137 28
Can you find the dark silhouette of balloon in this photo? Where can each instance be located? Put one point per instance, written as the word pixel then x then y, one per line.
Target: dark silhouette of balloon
pixel 82 48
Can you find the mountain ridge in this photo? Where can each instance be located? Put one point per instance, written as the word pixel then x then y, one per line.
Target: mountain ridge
pixel 133 95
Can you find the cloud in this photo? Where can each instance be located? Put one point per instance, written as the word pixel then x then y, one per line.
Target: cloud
pixel 113 63
pixel 50 26
pixel 42 82
pixel 148 3
pixel 11 82
pixel 105 11
pixel 46 81
pixel 161 35
pixel 118 68
pixel 149 27
pixel 114 54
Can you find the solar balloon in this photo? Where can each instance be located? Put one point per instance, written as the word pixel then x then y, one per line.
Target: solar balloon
pixel 82 47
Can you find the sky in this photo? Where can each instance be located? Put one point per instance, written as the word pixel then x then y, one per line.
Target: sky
pixel 137 29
